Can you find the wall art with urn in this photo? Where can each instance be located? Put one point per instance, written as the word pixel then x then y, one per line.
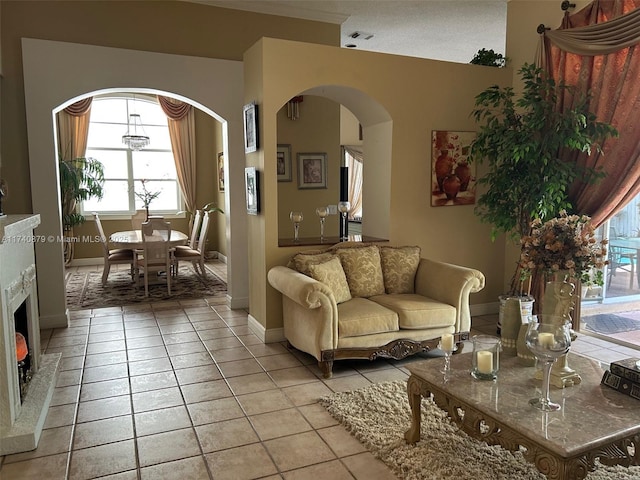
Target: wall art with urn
pixel 453 175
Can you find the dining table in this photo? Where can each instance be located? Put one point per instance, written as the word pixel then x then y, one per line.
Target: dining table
pixel 132 239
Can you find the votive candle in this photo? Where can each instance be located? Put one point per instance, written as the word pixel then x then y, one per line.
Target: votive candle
pixel 446 342
pixel 485 362
pixel 546 339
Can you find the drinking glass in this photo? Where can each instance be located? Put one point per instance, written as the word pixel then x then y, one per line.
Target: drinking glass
pixel 296 218
pixel 322 212
pixel 547 341
pixel 343 208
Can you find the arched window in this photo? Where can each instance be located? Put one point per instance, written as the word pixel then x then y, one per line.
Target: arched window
pixel 124 168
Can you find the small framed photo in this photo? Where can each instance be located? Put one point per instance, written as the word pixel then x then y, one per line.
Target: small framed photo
pixel 283 163
pixel 252 187
pixel 250 113
pixel 312 170
pixel 221 172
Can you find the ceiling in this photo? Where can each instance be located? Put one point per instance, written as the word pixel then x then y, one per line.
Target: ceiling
pixel 452 30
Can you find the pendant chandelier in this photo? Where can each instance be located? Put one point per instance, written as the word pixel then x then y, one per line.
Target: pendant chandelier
pixel 135 138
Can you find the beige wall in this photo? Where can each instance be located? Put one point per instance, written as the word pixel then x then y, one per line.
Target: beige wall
pixel 316 131
pixel 176 27
pixel 427 95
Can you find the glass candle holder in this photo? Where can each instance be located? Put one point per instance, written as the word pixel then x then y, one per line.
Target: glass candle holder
pixel 343 208
pixel 448 346
pixel 322 212
pixel 296 218
pixel 485 360
pixel 548 342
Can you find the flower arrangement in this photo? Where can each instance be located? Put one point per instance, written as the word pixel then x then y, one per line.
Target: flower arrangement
pixel 564 243
pixel 146 196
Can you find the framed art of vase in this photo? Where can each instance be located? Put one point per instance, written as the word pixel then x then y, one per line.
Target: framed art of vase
pixel 453 177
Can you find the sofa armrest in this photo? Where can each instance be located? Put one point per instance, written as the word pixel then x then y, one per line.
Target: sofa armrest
pixel 451 284
pixel 300 288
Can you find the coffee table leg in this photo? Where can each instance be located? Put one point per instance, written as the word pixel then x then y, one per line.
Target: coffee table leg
pixel 415 400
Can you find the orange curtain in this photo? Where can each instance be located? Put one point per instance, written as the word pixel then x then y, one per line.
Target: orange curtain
pixel 73 129
pixel 181 120
pixel 613 82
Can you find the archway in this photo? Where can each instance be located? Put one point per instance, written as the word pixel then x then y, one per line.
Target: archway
pixel 57 74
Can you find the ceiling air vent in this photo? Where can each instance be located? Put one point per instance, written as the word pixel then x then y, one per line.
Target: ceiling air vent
pixel 361 35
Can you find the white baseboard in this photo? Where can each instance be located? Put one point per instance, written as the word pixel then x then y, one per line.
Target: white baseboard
pixel 236 303
pixel 273 335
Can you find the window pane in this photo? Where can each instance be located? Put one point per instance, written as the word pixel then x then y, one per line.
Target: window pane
pixel 158 136
pixel 115 199
pixel 150 113
pixel 155 165
pixel 167 200
pixel 114 161
pixel 106 135
pixel 112 110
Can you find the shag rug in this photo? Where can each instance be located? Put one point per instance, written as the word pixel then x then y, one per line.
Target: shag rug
pixel 85 290
pixel 379 415
pixel 608 323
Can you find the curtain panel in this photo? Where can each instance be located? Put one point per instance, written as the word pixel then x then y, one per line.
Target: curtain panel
pixel 181 121
pixel 73 129
pixel 355 163
pixel 574 55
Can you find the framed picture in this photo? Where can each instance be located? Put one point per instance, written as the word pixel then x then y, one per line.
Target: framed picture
pixel 453 177
pixel 252 187
pixel 312 170
pixel 250 113
pixel 221 172
pixel 283 165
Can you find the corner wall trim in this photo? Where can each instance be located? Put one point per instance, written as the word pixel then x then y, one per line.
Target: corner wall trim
pixel 273 335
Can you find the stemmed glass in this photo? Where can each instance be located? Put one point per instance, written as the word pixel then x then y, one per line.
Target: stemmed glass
pixel 296 218
pixel 322 212
pixel 343 208
pixel 448 346
pixel 548 342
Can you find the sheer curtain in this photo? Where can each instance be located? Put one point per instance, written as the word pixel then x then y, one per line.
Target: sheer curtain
pixel 181 120
pixel 354 162
pixel 596 49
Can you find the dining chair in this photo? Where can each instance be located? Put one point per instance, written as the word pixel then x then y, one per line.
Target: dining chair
pixel 115 256
pixel 156 251
pixel 195 254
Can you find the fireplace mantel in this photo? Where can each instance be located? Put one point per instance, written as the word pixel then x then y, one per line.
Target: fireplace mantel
pixel 22 416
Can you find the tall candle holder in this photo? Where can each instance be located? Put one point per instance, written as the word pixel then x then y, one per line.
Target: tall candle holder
pixel 296 218
pixel 322 212
pixel 548 342
pixel 448 346
pixel 343 208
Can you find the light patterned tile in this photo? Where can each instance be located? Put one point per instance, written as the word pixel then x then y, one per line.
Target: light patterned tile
pixel 226 434
pixel 167 446
pixel 232 464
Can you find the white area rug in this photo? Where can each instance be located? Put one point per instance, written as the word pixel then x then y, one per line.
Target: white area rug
pixel 379 415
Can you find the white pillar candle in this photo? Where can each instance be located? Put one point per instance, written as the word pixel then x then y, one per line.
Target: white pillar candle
pixel 485 361
pixel 446 342
pixel 546 339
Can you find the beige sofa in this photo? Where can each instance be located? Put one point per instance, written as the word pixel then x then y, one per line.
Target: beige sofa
pixel 366 301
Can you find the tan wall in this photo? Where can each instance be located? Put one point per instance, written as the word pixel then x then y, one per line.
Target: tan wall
pixel 428 95
pixel 160 26
pixel 316 131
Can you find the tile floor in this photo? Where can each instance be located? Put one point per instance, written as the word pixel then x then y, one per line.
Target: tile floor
pixel 183 390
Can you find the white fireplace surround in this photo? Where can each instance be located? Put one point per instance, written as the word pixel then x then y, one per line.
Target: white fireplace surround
pixel 21 420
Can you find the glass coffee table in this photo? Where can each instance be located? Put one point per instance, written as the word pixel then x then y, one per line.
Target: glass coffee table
pixel 596 422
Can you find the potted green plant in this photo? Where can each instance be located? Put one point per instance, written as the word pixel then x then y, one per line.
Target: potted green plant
pixel 521 140
pixel 80 179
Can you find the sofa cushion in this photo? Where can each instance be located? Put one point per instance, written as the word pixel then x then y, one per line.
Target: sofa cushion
pixel 332 275
pixel 360 316
pixel 416 311
pixel 399 267
pixel 302 260
pixel 363 270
